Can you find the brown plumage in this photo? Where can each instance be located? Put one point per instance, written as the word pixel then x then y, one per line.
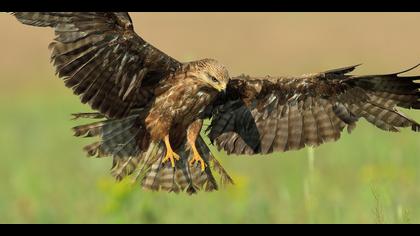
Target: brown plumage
pixel 265 115
pixel 151 107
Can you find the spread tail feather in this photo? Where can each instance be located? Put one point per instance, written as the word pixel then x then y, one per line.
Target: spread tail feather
pixel 183 176
pixel 134 155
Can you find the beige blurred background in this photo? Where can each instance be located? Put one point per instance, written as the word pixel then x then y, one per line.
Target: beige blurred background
pixel 370 176
pixel 254 43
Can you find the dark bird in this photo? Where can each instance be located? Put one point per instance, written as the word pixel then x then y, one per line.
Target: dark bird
pixel 150 107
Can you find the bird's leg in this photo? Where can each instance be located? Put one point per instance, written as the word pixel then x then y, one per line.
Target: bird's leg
pixel 170 154
pixel 192 134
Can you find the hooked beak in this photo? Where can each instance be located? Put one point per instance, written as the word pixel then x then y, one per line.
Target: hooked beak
pixel 221 88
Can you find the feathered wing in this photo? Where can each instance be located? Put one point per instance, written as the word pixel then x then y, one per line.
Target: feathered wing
pixel 102 59
pixel 265 115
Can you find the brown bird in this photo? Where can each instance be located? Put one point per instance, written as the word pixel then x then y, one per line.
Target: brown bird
pixel 151 107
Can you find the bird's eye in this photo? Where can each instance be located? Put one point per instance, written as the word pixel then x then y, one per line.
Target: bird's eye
pixel 214 79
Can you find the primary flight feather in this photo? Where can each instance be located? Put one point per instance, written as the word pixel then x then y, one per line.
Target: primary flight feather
pixel 150 107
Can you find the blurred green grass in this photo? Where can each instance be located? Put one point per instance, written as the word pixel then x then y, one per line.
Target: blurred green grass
pixel 369 176
pixel 44 177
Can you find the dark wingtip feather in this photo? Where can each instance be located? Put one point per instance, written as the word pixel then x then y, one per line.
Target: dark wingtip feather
pixel 342 71
pixel 407 70
pixel 77 131
pixel 86 131
pixel 92 115
pixel 92 149
pixel 415 127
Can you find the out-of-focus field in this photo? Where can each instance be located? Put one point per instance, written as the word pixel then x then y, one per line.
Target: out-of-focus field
pixel 368 177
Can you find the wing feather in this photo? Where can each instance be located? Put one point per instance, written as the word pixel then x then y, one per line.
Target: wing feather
pixel 295 127
pixel 282 132
pixel 277 114
pixel 102 59
pixel 310 128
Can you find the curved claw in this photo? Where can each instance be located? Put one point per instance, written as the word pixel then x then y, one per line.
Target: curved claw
pixel 197 159
pixel 171 156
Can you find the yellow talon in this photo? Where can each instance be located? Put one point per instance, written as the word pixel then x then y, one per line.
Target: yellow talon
pixel 170 154
pixel 193 133
pixel 197 159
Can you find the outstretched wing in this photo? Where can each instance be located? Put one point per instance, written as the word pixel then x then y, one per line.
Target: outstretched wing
pixel 265 115
pixel 102 59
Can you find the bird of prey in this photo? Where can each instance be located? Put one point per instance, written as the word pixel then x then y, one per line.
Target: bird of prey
pixel 149 107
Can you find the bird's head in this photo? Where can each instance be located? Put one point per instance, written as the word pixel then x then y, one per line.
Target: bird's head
pixel 212 73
